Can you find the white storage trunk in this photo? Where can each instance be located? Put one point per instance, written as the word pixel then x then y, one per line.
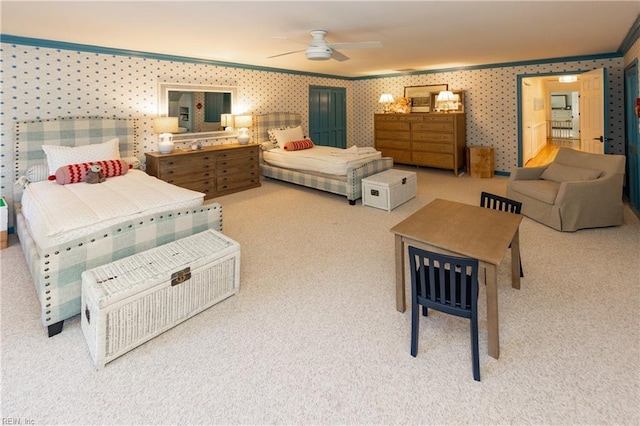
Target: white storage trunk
pixel 387 190
pixel 129 301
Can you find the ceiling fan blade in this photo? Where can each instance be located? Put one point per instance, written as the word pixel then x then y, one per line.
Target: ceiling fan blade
pixel 357 45
pixel 338 56
pixel 283 54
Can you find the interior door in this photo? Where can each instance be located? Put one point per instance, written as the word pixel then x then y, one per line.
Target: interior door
pixel 592 113
pixel 328 116
pixel 527 122
pixel 632 135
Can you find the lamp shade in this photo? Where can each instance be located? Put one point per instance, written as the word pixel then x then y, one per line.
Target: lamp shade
pixel 241 121
pixel 446 96
pixel 226 120
pixel 385 98
pixel 165 125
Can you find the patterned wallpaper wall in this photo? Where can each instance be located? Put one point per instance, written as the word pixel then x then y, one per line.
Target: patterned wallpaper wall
pixel 45 82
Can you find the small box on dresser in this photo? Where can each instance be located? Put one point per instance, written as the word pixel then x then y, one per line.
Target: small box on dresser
pixel 387 190
pixel 128 302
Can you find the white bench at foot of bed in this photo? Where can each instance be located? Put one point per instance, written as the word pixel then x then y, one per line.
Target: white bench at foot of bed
pixel 56 271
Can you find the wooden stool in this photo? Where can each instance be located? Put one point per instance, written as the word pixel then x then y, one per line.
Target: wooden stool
pixel 480 161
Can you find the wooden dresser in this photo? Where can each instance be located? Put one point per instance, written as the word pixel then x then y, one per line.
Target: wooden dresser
pixel 424 139
pixel 214 170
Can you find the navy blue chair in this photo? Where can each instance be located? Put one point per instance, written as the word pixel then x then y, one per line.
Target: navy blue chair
pixel 496 202
pixel 447 284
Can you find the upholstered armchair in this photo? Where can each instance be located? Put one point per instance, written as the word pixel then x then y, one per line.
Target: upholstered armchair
pixel 577 190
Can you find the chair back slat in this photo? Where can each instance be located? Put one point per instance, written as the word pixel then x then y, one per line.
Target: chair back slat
pixel 445 280
pixel 496 202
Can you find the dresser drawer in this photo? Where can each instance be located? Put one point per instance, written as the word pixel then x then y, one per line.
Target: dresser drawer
pixel 200 186
pixel 231 185
pixel 238 166
pixel 249 154
pixel 393 135
pixel 433 147
pixel 434 126
pixel 433 137
pixel 398 155
pixel 183 180
pixel 393 125
pixel 444 161
pixel 392 144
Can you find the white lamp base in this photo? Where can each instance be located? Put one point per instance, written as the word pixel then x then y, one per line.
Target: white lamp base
pixel 243 137
pixel 165 146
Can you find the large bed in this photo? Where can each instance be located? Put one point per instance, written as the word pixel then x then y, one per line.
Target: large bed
pixel 124 215
pixel 343 178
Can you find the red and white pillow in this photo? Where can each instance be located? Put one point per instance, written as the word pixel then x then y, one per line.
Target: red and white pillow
pixel 298 145
pixel 75 173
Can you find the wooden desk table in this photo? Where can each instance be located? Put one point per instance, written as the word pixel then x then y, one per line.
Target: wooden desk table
pixel 464 230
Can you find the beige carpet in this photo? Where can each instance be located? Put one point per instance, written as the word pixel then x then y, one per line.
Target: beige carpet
pixel 314 337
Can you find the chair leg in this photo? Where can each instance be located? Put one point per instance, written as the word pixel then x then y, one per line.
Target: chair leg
pixel 474 348
pixel 415 326
pixel 425 311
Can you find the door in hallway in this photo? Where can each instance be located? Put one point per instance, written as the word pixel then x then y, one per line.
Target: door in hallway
pixel 592 114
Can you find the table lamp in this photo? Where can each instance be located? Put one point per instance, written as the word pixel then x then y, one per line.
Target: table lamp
pixel 386 99
pixel 243 122
pixel 226 121
pixel 445 100
pixel 165 126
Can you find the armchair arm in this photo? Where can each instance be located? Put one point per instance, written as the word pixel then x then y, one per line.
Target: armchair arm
pixel 527 173
pixel 591 192
pixel 591 203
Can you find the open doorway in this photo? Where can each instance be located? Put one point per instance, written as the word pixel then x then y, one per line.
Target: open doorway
pixel 551 118
pixel 544 98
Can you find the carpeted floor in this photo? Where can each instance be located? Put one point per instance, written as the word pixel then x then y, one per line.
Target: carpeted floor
pixel 313 337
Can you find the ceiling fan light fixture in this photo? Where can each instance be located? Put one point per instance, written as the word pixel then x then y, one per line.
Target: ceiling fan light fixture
pixel 318 53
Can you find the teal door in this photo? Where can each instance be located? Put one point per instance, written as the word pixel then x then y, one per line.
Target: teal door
pixel 631 126
pixel 328 116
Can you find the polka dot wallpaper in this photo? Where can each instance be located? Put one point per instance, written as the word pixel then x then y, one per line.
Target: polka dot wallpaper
pixel 40 82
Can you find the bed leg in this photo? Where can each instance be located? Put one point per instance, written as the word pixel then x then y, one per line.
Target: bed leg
pixel 56 328
pixel 352 202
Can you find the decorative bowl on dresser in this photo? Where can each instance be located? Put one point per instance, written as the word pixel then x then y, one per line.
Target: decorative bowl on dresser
pixel 423 139
pixel 214 170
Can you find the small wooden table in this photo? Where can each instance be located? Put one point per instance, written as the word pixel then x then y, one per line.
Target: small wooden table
pixel 462 229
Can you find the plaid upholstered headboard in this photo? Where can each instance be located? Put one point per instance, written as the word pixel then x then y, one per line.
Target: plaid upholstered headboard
pixel 67 131
pixel 263 122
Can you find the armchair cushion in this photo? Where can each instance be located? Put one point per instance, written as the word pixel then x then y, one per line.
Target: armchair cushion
pixel 559 173
pixel 543 190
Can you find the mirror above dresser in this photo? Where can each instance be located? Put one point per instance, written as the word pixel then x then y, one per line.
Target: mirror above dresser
pixel 198 108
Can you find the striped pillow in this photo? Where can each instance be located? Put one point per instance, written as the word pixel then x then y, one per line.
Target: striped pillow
pixel 74 173
pixel 298 145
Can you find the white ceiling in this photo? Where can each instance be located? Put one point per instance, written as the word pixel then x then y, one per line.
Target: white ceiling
pixel 416 35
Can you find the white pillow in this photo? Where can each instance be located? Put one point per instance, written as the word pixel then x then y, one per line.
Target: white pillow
pixel 58 156
pixel 287 135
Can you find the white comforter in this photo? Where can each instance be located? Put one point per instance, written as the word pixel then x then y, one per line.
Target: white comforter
pixel 322 159
pixel 57 213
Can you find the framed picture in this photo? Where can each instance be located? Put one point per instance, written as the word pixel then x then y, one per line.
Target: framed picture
pixel 455 106
pixel 421 96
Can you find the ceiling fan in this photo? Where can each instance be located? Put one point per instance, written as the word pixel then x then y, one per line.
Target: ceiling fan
pixel 320 50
